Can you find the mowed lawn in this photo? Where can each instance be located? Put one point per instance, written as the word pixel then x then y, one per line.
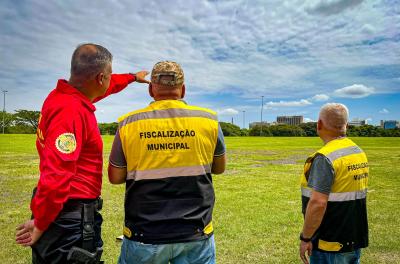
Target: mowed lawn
pixel 257 215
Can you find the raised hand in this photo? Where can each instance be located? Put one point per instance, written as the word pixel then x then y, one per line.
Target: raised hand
pixel 140 77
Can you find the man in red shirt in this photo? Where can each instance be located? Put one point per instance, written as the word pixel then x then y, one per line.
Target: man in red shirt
pixel 66 203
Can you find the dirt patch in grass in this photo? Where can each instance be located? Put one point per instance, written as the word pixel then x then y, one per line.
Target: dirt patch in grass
pixel 231 172
pixel 290 160
pixel 293 159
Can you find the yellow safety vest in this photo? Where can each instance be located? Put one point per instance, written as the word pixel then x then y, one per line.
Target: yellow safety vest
pixel 169 148
pixel 344 226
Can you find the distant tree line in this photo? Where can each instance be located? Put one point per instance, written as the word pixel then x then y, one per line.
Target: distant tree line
pixel 108 128
pixel 26 122
pixel 304 130
pixel 21 122
pixel 231 130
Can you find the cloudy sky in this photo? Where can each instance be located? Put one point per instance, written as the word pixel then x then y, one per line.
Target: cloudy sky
pixel 297 54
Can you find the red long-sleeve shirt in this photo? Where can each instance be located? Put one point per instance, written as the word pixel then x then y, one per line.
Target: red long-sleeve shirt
pixel 70 149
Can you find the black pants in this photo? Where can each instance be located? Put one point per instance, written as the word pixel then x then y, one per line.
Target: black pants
pixel 64 233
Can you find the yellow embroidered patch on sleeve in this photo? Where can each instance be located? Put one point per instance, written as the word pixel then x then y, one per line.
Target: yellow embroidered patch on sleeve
pixel 66 143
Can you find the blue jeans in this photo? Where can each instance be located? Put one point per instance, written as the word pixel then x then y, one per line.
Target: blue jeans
pixel 195 252
pixel 318 257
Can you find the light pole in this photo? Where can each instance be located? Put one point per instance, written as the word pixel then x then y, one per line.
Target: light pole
pixel 4 108
pixel 243 117
pixel 262 106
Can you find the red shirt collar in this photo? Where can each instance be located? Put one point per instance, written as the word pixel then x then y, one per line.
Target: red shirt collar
pixel 64 87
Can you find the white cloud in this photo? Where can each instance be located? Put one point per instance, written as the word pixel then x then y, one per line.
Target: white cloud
pixel 331 7
pixel 302 102
pixel 384 111
pixel 368 29
pixel 320 97
pixel 308 120
pixel 354 91
pixel 228 49
pixel 227 111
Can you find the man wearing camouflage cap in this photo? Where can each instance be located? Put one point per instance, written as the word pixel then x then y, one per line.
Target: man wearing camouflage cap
pixel 165 153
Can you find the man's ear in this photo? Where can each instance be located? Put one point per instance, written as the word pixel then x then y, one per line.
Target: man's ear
pixel 183 91
pixel 319 124
pixel 99 78
pixel 151 90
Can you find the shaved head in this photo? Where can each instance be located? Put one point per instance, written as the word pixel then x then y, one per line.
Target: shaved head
pixel 88 60
pixel 335 117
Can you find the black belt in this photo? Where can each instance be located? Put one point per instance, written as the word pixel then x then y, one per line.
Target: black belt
pixel 74 208
pixel 76 204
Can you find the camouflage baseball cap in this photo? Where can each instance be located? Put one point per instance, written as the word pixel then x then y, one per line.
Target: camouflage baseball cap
pixel 164 69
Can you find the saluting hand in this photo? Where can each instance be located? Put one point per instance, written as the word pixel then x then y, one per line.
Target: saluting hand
pixel 140 77
pixel 27 234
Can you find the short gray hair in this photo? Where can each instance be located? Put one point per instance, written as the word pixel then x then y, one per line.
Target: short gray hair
pixel 335 117
pixel 88 60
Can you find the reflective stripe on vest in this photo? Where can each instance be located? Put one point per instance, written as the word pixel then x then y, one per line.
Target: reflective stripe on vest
pixel 167 113
pixel 339 197
pixel 343 152
pixel 196 170
pixel 168 139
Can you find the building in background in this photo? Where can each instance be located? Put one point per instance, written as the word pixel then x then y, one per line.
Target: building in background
pixel 390 124
pixel 253 124
pixel 290 120
pixel 358 122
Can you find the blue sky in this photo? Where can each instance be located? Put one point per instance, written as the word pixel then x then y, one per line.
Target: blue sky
pixel 299 55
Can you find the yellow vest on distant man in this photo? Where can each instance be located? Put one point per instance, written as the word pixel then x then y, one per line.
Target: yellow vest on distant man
pixel 344 226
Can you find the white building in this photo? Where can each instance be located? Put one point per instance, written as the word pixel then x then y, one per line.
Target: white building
pixel 358 122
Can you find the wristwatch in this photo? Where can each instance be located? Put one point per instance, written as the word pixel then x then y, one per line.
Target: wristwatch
pixel 304 239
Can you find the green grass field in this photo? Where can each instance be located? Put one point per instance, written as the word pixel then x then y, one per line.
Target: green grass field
pixel 257 215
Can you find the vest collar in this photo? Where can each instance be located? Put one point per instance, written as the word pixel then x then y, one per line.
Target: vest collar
pixel 168 101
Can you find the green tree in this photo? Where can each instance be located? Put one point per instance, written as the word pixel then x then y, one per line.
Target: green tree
pixel 395 132
pixel 108 128
pixel 27 118
pixel 21 129
pixel 229 129
pixel 244 132
pixel 8 119
pixel 284 130
pixel 310 129
pixel 256 131
pixel 353 131
pixel 366 131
